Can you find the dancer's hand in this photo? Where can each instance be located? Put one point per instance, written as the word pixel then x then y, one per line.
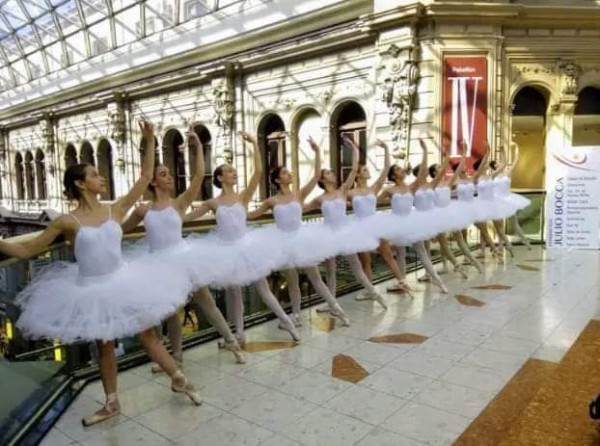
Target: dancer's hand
pixel 247 137
pixel 313 144
pixel 193 138
pixel 380 143
pixel 423 145
pixel 147 130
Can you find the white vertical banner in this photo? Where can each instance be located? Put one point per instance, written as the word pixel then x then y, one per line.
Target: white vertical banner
pixel 573 198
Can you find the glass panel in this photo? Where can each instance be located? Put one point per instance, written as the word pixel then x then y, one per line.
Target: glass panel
pixel 4 29
pixel 159 15
pixel 54 54
pixel 99 38
pixel 94 10
pixel 14 14
pixel 27 38
pixel 5 79
pixel 35 8
pixel 20 71
pixel 36 64
pixel 194 8
pixel 125 25
pixel 58 2
pixel 47 29
pixel 76 50
pixel 224 3
pixel 12 50
pixel 68 17
pixel 122 4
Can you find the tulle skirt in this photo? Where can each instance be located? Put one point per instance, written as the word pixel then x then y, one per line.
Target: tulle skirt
pixel 489 210
pixel 305 247
pixel 416 226
pixel 351 237
pixel 457 216
pixel 139 294
pixel 233 263
pixel 516 200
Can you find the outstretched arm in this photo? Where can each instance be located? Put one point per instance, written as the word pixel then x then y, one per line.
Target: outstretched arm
pixel 134 219
pixel 422 175
pixel 261 210
pixel 386 165
pixel 122 206
pixel 247 194
pixel 355 155
pixel 459 170
pixel 30 248
pixel 186 198
pixel 197 213
pixel 510 166
pixel 501 166
pixel 442 172
pixel 307 189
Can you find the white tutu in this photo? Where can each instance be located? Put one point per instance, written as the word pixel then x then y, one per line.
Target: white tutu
pixel 61 304
pixel 304 247
pixel 518 201
pixel 453 215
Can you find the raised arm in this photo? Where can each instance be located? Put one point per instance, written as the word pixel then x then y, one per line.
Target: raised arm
pixel 501 166
pixel 384 196
pixel 510 166
pixel 422 175
pixel 122 206
pixel 186 198
pixel 30 248
pixel 247 194
pixel 386 165
pixel 134 219
pixel 459 170
pixel 308 188
pixel 261 210
pixel 347 185
pixel 484 164
pixel 442 172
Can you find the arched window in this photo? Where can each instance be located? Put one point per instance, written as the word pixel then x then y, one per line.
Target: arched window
pixel 86 154
pixel 529 132
pixel 206 140
pixel 271 142
pixel 173 153
pixel 70 156
pixel 29 176
pixel 586 122
pixel 349 119
pixel 19 176
pixel 308 124
pixel 105 169
pixel 40 175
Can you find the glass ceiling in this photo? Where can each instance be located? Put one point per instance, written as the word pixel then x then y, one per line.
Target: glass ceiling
pixel 38 37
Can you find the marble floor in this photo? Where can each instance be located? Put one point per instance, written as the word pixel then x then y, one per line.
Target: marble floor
pixel 417 374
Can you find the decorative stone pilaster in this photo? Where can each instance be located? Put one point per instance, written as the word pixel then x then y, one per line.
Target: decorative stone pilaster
pixel 223 101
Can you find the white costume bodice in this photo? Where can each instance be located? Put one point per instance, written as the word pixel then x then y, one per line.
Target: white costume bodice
pixel 163 228
pixel 364 205
pixel 442 196
pixel 98 248
pixel 288 216
pixel 465 191
pixel 402 203
pixel 502 186
pixel 334 211
pixel 231 222
pixel 485 189
pixel 424 199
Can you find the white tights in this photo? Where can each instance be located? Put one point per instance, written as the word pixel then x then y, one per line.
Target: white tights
pixel 317 282
pixel 357 270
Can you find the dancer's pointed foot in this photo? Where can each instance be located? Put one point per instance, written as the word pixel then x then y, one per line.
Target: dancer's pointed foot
pixel 291 329
pixel 424 278
pixel 234 347
pixel 111 409
pixel 438 282
pixel 461 270
pixel 241 340
pixel 363 296
pixel 158 369
pixel 180 384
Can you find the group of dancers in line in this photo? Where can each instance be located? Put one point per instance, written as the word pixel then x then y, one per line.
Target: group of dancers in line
pixel 107 294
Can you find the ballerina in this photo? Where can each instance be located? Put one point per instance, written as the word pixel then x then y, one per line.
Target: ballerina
pixel 502 180
pixel 162 219
pixel 348 235
pixel 101 297
pixel 249 256
pixel 364 204
pixel 413 226
pixel 304 245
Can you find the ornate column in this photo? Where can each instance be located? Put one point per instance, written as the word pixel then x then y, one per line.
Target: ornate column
pixel 4 166
pixel 398 85
pixel 117 132
pixel 223 96
pixel 570 73
pixel 53 181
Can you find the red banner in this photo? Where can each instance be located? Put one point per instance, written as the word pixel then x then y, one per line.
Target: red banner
pixel 464 109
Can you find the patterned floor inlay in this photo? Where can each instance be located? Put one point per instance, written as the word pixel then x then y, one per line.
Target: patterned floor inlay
pixel 323 323
pixel 539 260
pixel 492 425
pixel 469 301
pixel 400 338
pixel 527 268
pixel 493 286
pixel 348 369
pixel 255 347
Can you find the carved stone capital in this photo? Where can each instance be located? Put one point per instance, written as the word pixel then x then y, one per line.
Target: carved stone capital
pixel 570 72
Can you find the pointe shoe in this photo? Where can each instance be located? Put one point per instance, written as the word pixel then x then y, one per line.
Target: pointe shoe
pixel 291 330
pixel 341 315
pixel 324 309
pixel 460 270
pixel 511 251
pixel 441 285
pixel 110 409
pixel 424 278
pixel 379 299
pixel 296 319
pixel 363 296
pixel 180 384
pixel 241 340
pixel 237 351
